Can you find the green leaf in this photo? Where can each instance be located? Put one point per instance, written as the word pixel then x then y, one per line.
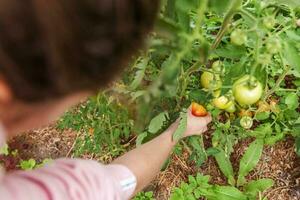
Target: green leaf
pixel 186 6
pixel 202 180
pixel 263 115
pixel 262 131
pixel 293 36
pixel 290 3
pixel 292 55
pixel 250 159
pixel 233 73
pixel 181 127
pixel 227 193
pixel 198 96
pixel 157 122
pixel 272 139
pixel 139 75
pixel 231 51
pixel 140 138
pixel 219 6
pixel 198 154
pixel 28 164
pixel 166 28
pixel 170 69
pixel 256 186
pixel 212 151
pixel 225 166
pixel 291 100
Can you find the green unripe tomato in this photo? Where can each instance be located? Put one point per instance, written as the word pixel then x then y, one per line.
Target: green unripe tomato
pixel 273 45
pixel 222 102
pixel 231 109
pixel 238 37
pixel 265 58
pixel 216 93
pixel 246 122
pixel 217 66
pixel 210 81
pixel 269 22
pixel 246 94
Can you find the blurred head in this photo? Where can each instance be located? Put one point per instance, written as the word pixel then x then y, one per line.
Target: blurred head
pixel 54 53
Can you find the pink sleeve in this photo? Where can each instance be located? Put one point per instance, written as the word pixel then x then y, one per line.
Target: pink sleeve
pixel 68 179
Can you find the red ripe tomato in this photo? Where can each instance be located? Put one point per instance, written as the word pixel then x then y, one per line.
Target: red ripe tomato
pixel 198 110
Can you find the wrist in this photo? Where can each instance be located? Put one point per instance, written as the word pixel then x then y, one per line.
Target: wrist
pixel 170 132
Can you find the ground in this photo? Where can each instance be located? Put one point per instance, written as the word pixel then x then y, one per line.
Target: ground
pixel 278 162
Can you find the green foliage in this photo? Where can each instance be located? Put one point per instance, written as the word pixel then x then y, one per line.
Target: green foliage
pixel 103 122
pixel 32 164
pixel 199 186
pixel 253 187
pixel 225 165
pixel 163 81
pixel 291 100
pixel 250 159
pixel 144 196
pixel 157 122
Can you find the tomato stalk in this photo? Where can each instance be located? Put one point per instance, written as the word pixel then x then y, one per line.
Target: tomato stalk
pixel 256 54
pixel 248 14
pixel 235 7
pixel 278 82
pixel 186 146
pixel 195 35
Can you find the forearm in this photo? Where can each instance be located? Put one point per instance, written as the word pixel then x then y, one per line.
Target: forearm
pixel 146 161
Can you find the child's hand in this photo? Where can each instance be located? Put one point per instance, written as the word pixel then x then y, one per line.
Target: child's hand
pixel 196 125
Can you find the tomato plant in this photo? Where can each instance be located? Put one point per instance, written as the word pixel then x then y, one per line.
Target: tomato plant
pixel 200 51
pixel 203 50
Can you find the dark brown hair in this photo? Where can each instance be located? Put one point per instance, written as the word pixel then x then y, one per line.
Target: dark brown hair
pixel 50 48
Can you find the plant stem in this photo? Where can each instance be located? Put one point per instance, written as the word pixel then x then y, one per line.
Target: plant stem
pixel 187 147
pixel 235 6
pixel 278 82
pixel 245 12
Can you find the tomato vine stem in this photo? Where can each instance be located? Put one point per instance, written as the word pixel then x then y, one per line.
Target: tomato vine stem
pixel 278 82
pixel 235 7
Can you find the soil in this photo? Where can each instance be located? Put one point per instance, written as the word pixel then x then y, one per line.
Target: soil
pixel 278 162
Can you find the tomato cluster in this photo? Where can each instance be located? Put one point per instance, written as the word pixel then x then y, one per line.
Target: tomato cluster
pixel 245 92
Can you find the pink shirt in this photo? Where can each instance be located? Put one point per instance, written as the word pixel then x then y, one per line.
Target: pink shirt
pixel 68 179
